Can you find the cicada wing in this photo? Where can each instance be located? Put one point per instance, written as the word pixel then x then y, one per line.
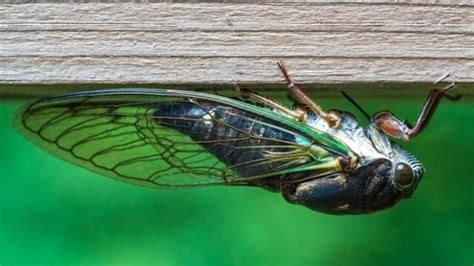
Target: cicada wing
pixel 165 138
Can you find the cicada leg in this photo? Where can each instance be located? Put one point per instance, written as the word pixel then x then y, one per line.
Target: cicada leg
pixel 326 194
pixel 332 118
pixel 392 126
pixel 297 114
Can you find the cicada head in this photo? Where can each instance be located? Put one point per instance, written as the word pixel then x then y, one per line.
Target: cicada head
pixel 384 181
pixel 407 171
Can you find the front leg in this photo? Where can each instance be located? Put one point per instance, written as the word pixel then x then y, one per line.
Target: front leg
pixel 395 128
pixel 328 194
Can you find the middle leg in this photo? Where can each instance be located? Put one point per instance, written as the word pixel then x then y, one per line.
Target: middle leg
pixel 297 114
pixel 332 118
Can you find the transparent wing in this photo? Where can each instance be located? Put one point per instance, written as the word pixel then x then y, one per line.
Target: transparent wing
pixel 164 138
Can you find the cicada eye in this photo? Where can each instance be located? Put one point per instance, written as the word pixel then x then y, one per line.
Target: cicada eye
pixel 404 176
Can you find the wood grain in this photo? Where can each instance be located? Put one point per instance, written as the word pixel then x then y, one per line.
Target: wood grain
pixel 217 43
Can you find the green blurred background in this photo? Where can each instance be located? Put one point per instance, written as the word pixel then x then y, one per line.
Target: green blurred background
pixel 54 213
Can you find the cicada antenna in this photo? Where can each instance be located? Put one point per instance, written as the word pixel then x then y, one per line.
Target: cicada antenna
pixel 356 105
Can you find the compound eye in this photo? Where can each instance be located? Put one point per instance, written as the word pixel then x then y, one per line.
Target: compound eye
pixel 404 176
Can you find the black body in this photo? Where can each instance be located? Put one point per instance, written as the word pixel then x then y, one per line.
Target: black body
pixel 367 189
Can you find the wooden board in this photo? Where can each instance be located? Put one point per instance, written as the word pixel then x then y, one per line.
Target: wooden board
pixel 198 43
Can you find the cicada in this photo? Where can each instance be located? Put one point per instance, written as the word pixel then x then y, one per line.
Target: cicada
pixel 159 138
